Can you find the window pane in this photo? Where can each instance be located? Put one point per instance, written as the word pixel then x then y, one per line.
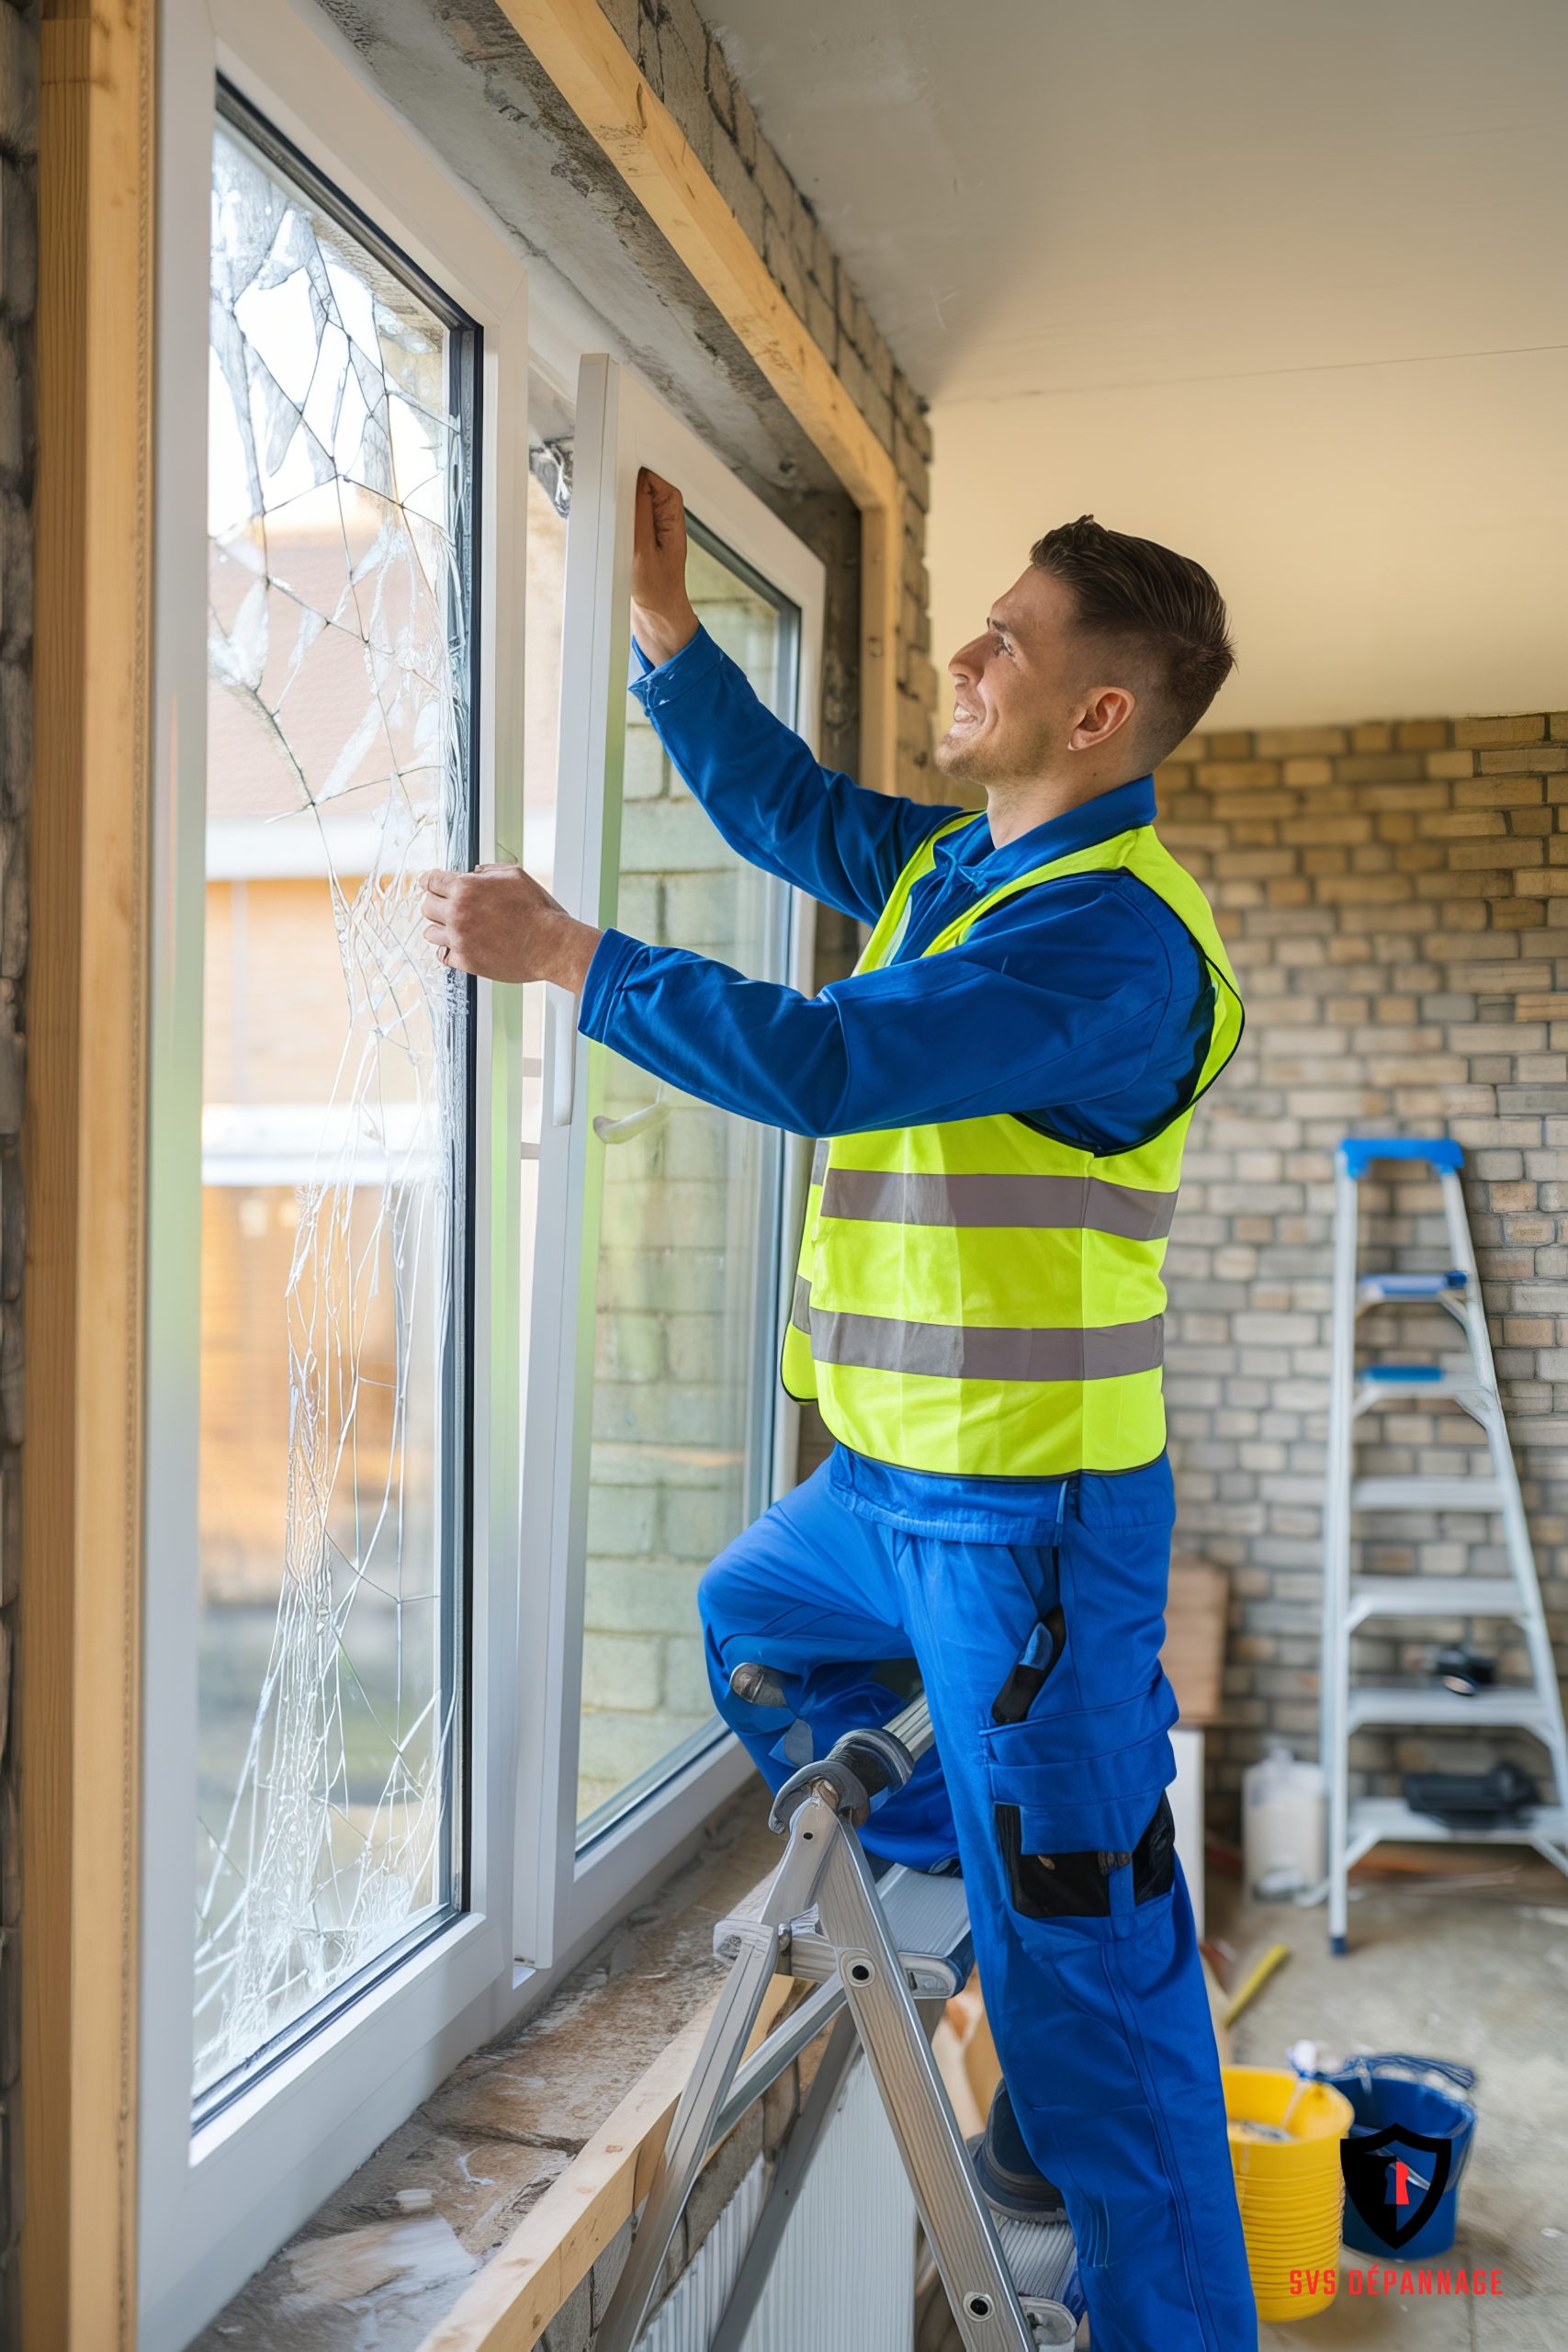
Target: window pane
pixel 684 1377
pixel 335 1114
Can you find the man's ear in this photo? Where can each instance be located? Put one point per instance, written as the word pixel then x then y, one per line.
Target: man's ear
pixel 1104 712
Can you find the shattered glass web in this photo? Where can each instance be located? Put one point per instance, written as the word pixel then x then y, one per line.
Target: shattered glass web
pixel 331 1112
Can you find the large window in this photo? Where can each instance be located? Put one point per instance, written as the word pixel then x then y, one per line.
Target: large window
pixel 460 1333
pixel 335 1123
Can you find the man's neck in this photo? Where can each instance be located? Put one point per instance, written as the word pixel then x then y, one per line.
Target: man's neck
pixel 1016 809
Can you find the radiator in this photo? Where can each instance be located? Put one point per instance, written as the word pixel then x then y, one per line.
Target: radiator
pixel 844 2277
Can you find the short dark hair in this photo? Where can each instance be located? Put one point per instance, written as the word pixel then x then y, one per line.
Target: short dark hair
pixel 1141 598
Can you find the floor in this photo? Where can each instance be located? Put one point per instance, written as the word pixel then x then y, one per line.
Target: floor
pixel 1475 1968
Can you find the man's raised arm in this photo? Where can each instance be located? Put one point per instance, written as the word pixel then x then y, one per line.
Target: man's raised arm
pixel 758 781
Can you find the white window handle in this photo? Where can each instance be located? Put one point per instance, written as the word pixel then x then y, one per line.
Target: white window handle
pixel 563 1058
pixel 636 1122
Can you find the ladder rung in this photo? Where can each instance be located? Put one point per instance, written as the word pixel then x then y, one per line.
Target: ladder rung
pixel 1416 1703
pixel 1380 1385
pixel 1042 2257
pixel 1435 1597
pixel 1370 1288
pixel 928 1918
pixel 1425 1494
pixel 1375 1818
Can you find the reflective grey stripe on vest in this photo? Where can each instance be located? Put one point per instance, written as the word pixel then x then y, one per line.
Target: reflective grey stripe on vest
pixel 820 1161
pixel 960 1351
pixel 874 1196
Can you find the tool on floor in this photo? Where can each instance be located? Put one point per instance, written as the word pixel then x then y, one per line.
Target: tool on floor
pixel 1252 1983
pixel 885 1957
pixel 1352 1598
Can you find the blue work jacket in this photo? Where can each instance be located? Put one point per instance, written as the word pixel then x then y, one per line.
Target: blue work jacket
pixel 1083 1006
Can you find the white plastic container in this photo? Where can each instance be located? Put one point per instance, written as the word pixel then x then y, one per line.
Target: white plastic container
pixel 1283 1826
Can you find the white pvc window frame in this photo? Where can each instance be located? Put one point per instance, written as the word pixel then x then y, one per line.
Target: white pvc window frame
pixel 215 2205
pixel 620 426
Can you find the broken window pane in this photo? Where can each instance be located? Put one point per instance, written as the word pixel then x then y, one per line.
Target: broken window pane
pixel 336 1111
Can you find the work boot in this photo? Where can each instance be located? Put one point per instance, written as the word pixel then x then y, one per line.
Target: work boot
pixel 1010 2181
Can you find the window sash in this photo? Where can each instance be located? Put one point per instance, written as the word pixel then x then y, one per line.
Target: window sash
pixel 454 1389
pixel 563 1892
pixel 212 2207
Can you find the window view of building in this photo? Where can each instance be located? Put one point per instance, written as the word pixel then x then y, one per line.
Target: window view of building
pixel 334 1114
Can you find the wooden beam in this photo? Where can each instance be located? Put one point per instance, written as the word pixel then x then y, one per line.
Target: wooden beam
pixel 584 57
pixel 83 1152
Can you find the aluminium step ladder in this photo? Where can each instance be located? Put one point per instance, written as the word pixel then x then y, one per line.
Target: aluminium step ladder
pixel 883 1957
pixel 1352 1599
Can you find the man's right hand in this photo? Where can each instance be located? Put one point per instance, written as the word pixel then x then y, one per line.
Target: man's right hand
pixel 662 618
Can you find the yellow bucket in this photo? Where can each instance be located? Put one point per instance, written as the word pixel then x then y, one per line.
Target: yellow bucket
pixel 1284 2136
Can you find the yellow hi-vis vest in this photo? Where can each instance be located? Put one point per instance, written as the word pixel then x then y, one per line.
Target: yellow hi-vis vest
pixel 978 1298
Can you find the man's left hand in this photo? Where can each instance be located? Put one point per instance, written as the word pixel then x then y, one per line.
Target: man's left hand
pixel 501 925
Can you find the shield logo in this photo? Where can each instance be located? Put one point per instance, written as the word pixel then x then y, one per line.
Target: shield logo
pixel 1394 2179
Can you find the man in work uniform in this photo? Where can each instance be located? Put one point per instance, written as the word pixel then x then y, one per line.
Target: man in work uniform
pixel 1004 1086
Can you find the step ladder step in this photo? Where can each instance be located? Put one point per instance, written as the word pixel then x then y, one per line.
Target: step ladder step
pixel 928 1918
pixel 1378 1384
pixel 1042 2259
pixel 1416 1703
pixel 1372 1288
pixel 1415 1380
pixel 1377 1819
pixel 1436 1597
pixel 1425 1494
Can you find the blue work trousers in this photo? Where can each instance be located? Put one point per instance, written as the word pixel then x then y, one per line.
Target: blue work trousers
pixel 1090 1965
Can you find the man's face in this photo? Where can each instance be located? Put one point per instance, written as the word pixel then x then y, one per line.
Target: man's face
pixel 1018 687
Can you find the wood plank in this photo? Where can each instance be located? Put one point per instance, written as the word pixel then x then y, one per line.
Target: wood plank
pixel 1194 1653
pixel 584 57
pixel 555 2247
pixel 82 1147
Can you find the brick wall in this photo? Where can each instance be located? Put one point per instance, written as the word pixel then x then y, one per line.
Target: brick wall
pixel 18 259
pixel 685 62
pixel 1395 898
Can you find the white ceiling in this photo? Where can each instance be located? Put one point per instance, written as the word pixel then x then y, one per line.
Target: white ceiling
pixel 1059 195
pixel 1285 284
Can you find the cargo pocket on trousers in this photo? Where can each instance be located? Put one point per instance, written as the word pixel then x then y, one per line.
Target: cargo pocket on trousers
pixel 1080 1886
pixel 1075 1787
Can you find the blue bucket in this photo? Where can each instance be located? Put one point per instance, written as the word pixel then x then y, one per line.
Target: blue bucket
pixel 1394 2091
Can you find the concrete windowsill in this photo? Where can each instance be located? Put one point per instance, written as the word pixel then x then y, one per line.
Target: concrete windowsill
pixel 387 2256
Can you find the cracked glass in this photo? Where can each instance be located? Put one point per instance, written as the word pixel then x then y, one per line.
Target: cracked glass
pixel 336 1111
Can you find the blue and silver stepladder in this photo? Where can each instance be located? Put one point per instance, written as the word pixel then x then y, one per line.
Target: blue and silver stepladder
pixel 1353 1598
pixel 883 1957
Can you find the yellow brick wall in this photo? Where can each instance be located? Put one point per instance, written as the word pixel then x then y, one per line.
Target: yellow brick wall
pixel 1395 897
